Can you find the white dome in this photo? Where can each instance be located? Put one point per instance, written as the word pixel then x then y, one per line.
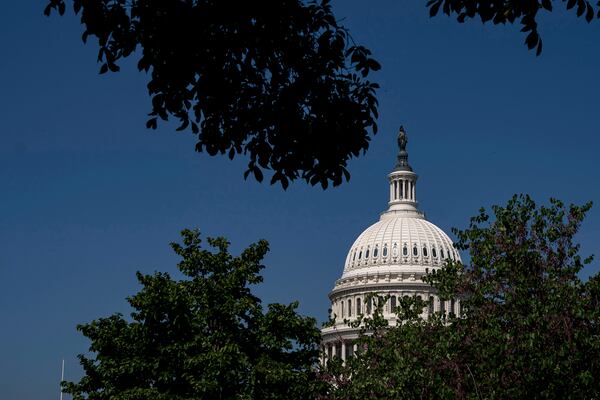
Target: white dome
pixel 389 260
pixel 397 241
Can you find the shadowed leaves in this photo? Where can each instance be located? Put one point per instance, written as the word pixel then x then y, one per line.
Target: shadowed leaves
pixel 506 11
pixel 279 82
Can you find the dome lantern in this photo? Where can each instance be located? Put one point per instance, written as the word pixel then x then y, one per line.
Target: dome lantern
pixel 403 182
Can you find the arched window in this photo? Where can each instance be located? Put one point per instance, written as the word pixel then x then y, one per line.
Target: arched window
pixel 358 307
pixel 452 311
pixel 424 251
pixel 433 252
pixel 442 252
pixel 369 300
pixel 395 250
pixel 367 253
pixel 393 304
pixel 342 310
pixel 415 251
pixel 359 254
pixel 376 251
pixel 354 256
pixel 385 250
pixel 349 307
pixel 404 251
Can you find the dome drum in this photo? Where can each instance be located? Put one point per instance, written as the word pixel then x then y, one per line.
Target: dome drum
pixel 349 304
pixel 379 282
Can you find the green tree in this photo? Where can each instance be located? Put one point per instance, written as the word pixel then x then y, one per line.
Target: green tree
pixel 279 81
pixel 529 327
pixel 203 337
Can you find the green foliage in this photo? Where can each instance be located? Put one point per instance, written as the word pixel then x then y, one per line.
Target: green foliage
pixel 203 337
pixel 507 11
pixel 529 327
pixel 393 362
pixel 281 82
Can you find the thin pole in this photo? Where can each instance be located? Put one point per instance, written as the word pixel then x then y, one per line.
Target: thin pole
pixel 62 378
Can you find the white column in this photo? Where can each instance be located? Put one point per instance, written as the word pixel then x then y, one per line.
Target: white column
pixel 333 350
pixel 323 355
pixel 414 197
pixel 343 350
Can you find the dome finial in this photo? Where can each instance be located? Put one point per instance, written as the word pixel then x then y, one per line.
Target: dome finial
pixel 402 164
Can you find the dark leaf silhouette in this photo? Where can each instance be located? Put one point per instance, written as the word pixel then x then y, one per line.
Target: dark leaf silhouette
pixel 503 11
pixel 281 83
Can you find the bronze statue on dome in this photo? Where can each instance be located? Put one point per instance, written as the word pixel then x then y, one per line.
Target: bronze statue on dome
pixel 402 163
pixel 402 139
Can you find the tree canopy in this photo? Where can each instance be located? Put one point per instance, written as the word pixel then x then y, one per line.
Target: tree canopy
pixel 280 81
pixel 528 328
pixel 203 337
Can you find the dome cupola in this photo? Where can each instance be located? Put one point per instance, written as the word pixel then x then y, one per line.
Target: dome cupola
pixel 403 183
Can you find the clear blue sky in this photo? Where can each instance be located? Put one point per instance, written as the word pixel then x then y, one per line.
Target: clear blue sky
pixel 89 196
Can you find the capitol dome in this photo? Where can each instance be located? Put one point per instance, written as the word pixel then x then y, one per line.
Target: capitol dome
pixel 395 242
pixel 388 261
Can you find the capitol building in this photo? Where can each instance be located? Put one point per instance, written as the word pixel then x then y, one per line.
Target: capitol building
pixel 388 260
